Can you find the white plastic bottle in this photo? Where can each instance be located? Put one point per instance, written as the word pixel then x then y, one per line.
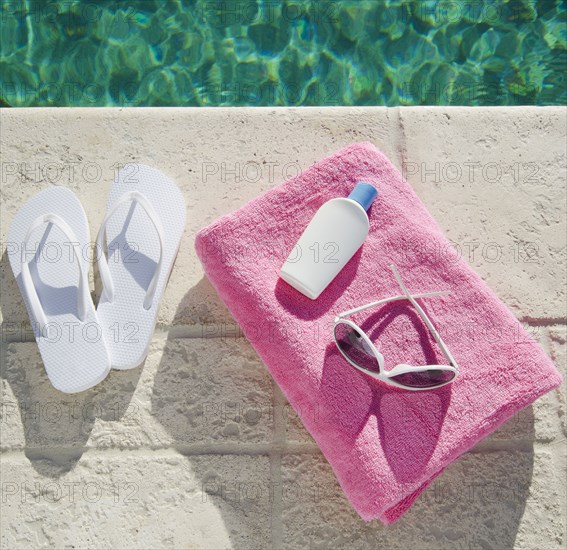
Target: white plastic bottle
pixel 331 239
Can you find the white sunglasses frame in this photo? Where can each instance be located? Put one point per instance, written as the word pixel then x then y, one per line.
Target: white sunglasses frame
pixel 382 374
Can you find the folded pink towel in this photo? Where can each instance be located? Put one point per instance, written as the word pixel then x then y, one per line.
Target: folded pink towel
pixel 385 445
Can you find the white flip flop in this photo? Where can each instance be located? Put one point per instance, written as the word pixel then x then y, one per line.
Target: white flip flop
pixel 49 254
pixel 143 227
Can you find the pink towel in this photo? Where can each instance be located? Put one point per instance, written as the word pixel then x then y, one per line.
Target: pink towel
pixel 385 445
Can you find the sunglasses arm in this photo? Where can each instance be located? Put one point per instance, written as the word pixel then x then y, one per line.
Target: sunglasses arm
pixel 425 319
pixel 388 300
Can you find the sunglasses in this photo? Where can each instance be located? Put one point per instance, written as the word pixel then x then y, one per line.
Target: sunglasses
pixel 357 348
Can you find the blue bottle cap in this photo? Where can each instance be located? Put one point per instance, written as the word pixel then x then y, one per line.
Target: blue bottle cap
pixel 364 194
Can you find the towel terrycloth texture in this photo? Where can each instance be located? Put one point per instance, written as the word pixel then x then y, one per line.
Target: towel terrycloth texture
pixel 385 445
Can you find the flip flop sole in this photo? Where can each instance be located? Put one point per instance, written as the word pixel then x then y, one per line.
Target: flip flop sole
pixel 73 351
pixel 133 251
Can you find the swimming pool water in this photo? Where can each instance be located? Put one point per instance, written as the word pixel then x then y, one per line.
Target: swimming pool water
pixel 283 52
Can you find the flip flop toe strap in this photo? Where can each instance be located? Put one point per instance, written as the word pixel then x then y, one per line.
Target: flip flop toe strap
pixel 83 296
pixel 106 278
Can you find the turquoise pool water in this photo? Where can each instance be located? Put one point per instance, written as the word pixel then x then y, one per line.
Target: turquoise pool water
pixel 283 52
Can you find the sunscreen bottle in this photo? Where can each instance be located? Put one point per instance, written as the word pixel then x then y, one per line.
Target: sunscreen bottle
pixel 331 239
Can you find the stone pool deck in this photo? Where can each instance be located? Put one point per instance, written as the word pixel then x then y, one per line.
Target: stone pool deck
pixel 198 448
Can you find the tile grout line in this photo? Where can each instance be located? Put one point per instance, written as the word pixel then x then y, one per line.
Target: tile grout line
pixel 278 444
pixel 203 332
pixel 546 340
pixel 548 348
pixel 401 145
pixel 3 369
pixel 260 449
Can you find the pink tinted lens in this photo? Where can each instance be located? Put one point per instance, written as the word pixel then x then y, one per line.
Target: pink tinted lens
pixel 355 347
pixel 424 379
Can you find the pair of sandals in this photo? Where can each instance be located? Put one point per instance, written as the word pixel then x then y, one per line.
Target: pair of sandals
pixel 50 252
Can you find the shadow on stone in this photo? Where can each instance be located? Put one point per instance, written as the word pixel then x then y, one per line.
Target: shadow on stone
pixel 56 426
pixel 213 395
pixel 477 502
pixel 210 393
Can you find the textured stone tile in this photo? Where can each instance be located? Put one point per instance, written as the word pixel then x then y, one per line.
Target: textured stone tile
pixel 540 421
pixel 225 396
pixel 11 429
pixel 514 198
pixel 189 392
pixel 543 523
pixel 495 181
pixel 220 158
pixel 557 343
pixel 133 500
pixel 293 422
pixel 493 500
pixel 515 220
